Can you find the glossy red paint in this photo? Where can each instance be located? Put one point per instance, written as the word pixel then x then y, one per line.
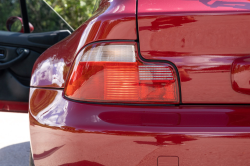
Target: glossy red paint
pixel 202 41
pixel 202 38
pixel 180 6
pixel 13 106
pixel 241 75
pixel 67 132
pixel 107 23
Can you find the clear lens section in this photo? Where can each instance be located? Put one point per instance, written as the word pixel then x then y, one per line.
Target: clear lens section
pixel 112 73
pixel 110 53
pixel 155 73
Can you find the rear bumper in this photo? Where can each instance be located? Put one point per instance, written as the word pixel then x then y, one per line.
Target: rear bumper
pixel 65 132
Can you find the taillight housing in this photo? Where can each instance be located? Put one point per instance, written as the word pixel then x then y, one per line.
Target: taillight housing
pixel 113 73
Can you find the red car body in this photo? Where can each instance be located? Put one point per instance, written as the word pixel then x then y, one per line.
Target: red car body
pixel 207 41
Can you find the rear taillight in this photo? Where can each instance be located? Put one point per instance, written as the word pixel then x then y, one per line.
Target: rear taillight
pixel 112 72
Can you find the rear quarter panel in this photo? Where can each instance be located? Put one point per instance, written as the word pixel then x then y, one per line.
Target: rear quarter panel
pixel 113 20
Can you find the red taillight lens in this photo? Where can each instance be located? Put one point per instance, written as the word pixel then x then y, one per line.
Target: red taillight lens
pixel 111 72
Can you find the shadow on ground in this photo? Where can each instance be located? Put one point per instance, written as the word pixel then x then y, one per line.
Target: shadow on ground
pixel 15 155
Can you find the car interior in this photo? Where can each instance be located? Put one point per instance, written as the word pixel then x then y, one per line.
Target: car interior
pixel 20 49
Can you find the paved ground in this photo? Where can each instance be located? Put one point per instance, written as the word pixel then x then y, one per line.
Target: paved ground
pixel 14 139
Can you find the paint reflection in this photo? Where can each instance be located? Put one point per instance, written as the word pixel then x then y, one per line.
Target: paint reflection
pixel 216 4
pixel 81 163
pixel 175 139
pixel 188 62
pixel 48 107
pixel 241 75
pixel 49 72
pixel 162 22
pixel 46 153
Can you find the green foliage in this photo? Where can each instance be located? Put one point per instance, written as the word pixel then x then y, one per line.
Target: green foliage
pixel 75 12
pixel 8 8
pixel 43 18
pixel 16 26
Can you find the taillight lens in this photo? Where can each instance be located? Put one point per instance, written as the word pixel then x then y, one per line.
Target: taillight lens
pixel 112 72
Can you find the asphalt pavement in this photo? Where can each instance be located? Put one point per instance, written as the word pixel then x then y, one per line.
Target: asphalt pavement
pixel 14 139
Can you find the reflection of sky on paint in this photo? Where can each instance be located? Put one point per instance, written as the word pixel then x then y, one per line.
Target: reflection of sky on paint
pixel 203 61
pixel 49 72
pixel 118 9
pixel 55 113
